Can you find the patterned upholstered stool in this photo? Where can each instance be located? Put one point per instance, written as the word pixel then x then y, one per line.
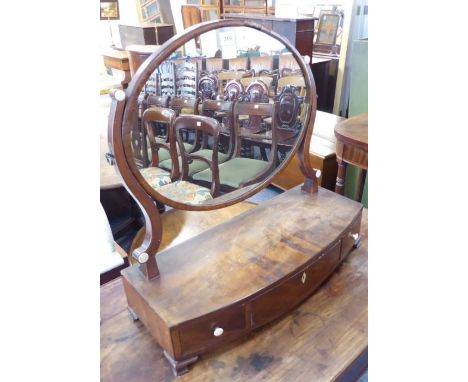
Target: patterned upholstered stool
pixel 185 192
pixel 155 176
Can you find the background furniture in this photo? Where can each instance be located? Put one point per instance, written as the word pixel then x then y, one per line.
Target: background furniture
pixel 137 54
pixel 245 6
pixel 209 9
pixel 322 340
pixel 145 34
pixel 121 210
pixel 328 26
pixel 322 154
pixel 191 15
pixel 117 59
pixel 351 147
pixel 299 31
pixel 325 71
pixel 155 11
pixel 114 273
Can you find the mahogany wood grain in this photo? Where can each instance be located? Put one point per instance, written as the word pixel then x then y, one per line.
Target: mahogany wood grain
pixel 256 258
pixel 322 340
pixel 352 148
pixel 179 225
pixel 215 266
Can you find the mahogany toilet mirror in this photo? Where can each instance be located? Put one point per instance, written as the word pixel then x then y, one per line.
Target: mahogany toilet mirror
pixel 205 131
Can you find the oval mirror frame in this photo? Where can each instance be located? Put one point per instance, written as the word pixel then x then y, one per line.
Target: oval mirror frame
pixel 121 119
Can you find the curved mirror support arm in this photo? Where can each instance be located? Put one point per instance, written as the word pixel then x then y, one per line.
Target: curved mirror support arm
pixel 146 253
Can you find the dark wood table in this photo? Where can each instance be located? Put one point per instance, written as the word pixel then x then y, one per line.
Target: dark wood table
pixel 118 59
pixel 351 148
pixel 324 339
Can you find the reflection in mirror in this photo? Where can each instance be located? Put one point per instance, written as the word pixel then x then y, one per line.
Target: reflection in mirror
pixel 220 114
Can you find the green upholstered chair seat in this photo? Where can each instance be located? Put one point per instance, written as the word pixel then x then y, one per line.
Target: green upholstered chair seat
pixel 164 154
pixel 185 192
pixel 235 172
pixel 155 176
pixel 196 165
pixel 186 110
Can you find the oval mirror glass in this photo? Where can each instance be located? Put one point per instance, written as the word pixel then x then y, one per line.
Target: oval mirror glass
pixel 217 118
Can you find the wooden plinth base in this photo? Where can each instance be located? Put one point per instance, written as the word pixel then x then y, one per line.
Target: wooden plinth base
pixel 244 273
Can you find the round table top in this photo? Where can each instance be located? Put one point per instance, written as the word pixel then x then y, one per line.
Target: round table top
pixel 353 131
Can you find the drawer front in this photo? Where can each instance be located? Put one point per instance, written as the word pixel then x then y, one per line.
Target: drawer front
pixel 200 334
pixel 291 292
pixel 350 238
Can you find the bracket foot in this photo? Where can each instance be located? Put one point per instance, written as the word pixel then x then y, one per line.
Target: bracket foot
pixel 180 367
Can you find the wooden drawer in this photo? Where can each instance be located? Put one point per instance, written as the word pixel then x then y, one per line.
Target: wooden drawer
pixel 199 334
pixel 291 292
pixel 350 239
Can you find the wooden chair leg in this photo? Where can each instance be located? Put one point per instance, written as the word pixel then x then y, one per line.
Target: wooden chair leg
pixel 340 178
pixel 360 184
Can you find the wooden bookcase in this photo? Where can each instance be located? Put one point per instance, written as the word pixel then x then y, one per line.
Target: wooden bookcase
pixel 210 9
pixel 150 11
pixel 245 6
pixel 155 11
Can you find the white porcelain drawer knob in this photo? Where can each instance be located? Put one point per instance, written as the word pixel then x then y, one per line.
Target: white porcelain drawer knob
pixel 143 257
pixel 218 331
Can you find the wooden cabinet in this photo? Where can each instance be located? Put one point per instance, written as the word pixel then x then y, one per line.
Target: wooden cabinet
pixel 299 31
pixel 145 34
pixel 245 6
pixel 155 11
pixel 209 9
pixel 150 10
